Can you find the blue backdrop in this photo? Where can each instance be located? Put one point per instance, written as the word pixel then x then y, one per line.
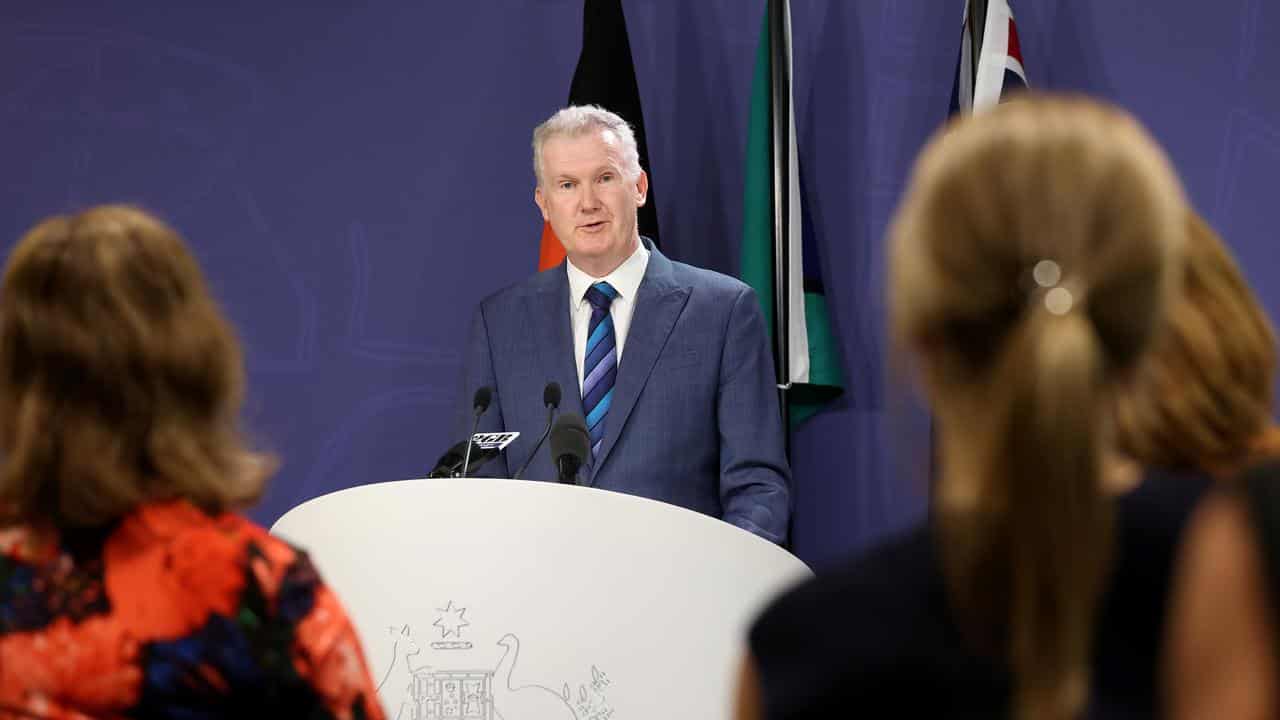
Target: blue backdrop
pixel 355 177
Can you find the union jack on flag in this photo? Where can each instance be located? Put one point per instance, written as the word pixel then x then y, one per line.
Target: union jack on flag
pixel 998 68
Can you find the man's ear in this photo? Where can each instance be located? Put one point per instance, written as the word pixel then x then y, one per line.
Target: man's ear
pixel 541 201
pixel 642 188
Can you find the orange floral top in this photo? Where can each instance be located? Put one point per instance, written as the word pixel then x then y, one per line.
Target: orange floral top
pixel 172 613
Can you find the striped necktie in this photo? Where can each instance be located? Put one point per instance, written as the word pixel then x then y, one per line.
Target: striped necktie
pixel 600 363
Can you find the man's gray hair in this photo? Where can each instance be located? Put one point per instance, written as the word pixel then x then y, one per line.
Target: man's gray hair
pixel 578 120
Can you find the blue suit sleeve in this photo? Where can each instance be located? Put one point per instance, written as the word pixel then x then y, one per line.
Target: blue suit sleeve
pixel 478 373
pixel 754 475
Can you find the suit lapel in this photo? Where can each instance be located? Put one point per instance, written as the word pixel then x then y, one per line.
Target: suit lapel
pixel 549 319
pixel 659 302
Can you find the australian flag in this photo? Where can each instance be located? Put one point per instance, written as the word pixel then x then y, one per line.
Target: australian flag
pixel 988 73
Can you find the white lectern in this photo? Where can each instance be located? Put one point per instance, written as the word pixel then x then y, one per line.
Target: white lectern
pixel 488 599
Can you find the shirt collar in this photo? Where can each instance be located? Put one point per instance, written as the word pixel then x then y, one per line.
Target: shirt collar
pixel 625 278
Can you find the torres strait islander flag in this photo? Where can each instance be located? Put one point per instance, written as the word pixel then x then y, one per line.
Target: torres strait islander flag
pixel 816 377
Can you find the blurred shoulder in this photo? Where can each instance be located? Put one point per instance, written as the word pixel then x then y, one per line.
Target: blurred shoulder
pixel 198 543
pixel 872 585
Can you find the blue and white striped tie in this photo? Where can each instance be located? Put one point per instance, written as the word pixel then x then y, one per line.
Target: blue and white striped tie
pixel 599 364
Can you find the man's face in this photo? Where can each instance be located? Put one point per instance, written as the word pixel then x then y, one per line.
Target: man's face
pixel 586 197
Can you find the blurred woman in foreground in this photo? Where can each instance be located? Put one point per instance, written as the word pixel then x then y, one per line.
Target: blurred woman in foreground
pixel 128 585
pixel 1205 402
pixel 1031 264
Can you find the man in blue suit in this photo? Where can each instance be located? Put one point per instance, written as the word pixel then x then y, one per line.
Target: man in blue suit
pixel 669 364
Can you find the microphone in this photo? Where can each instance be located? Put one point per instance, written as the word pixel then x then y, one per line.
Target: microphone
pixel 479 404
pixel 551 401
pixel 570 444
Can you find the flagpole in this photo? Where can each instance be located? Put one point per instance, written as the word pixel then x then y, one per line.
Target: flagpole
pixel 780 122
pixel 977 26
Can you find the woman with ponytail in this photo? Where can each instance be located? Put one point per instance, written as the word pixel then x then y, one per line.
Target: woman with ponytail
pixel 1031 262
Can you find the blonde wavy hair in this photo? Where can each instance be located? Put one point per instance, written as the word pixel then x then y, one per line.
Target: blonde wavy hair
pixel 1030 265
pixel 1204 396
pixel 120 379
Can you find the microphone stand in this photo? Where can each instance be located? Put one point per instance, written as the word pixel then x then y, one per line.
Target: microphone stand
pixel 480 404
pixel 551 414
pixel 466 458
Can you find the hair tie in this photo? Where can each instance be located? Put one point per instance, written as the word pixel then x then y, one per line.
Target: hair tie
pixel 1048 275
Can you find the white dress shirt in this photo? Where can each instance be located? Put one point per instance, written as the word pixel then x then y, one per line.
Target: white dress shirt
pixel 626 280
